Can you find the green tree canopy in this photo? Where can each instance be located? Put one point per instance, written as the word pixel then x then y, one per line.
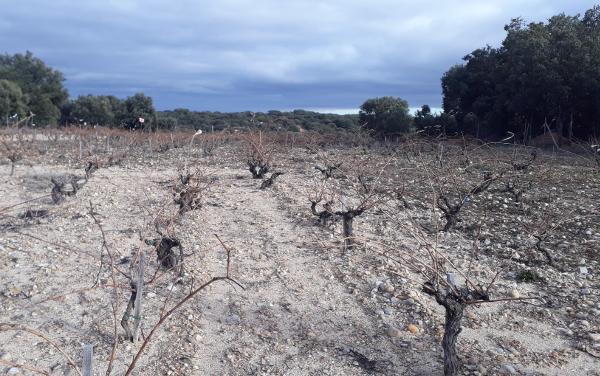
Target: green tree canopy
pixel 386 115
pixel 96 110
pixel 543 75
pixel 12 100
pixel 136 107
pixel 41 85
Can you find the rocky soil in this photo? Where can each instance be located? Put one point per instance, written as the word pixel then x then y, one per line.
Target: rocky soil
pixel 308 307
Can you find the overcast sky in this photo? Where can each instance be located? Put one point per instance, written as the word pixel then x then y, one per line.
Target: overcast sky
pixel 234 55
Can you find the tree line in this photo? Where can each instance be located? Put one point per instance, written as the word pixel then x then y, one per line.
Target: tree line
pixel 28 86
pixel 543 77
pixel 295 120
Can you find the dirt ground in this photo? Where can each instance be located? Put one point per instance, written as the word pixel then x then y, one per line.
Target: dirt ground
pixel 307 307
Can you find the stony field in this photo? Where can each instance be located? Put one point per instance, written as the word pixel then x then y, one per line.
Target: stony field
pixel 301 299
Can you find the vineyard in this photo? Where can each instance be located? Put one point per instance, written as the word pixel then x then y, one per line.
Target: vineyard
pixel 174 253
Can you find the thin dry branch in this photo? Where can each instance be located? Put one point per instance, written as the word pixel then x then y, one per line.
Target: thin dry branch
pixel 192 294
pixel 5 327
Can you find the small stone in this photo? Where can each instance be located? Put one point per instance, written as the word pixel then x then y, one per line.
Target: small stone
pixel 386 287
pixel 376 283
pixel 413 328
pixel 14 371
pixel 508 369
pixel 565 331
pixel 514 293
pixel 583 270
pixel 394 332
pixel 595 337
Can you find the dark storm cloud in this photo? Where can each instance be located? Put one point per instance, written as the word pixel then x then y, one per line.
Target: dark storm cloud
pixel 257 55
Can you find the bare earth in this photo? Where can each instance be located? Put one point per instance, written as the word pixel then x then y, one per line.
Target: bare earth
pixel 308 308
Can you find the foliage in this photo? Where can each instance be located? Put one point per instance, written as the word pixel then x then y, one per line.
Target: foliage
pixel 431 124
pixel 544 75
pixel 28 85
pixel 166 122
pixel 41 86
pixel 136 107
pixel 95 110
pixel 528 276
pixel 386 115
pixel 110 111
pixel 296 121
pixel 12 100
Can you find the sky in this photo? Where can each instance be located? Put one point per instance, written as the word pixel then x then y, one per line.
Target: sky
pixel 257 55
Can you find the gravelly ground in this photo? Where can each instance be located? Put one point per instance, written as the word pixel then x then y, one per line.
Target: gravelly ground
pixel 308 308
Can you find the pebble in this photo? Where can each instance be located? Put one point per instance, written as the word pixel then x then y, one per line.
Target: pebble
pixel 394 332
pixel 508 369
pixel 14 371
pixel 386 287
pixel 413 328
pixel 514 293
pixel 594 337
pixel 583 270
pixel 565 331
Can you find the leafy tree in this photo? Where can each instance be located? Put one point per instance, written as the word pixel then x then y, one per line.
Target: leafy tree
pixel 274 120
pixel 166 122
pixel 136 107
pixel 544 75
pixel 41 85
pixel 386 115
pixel 96 110
pixel 424 119
pixel 12 100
